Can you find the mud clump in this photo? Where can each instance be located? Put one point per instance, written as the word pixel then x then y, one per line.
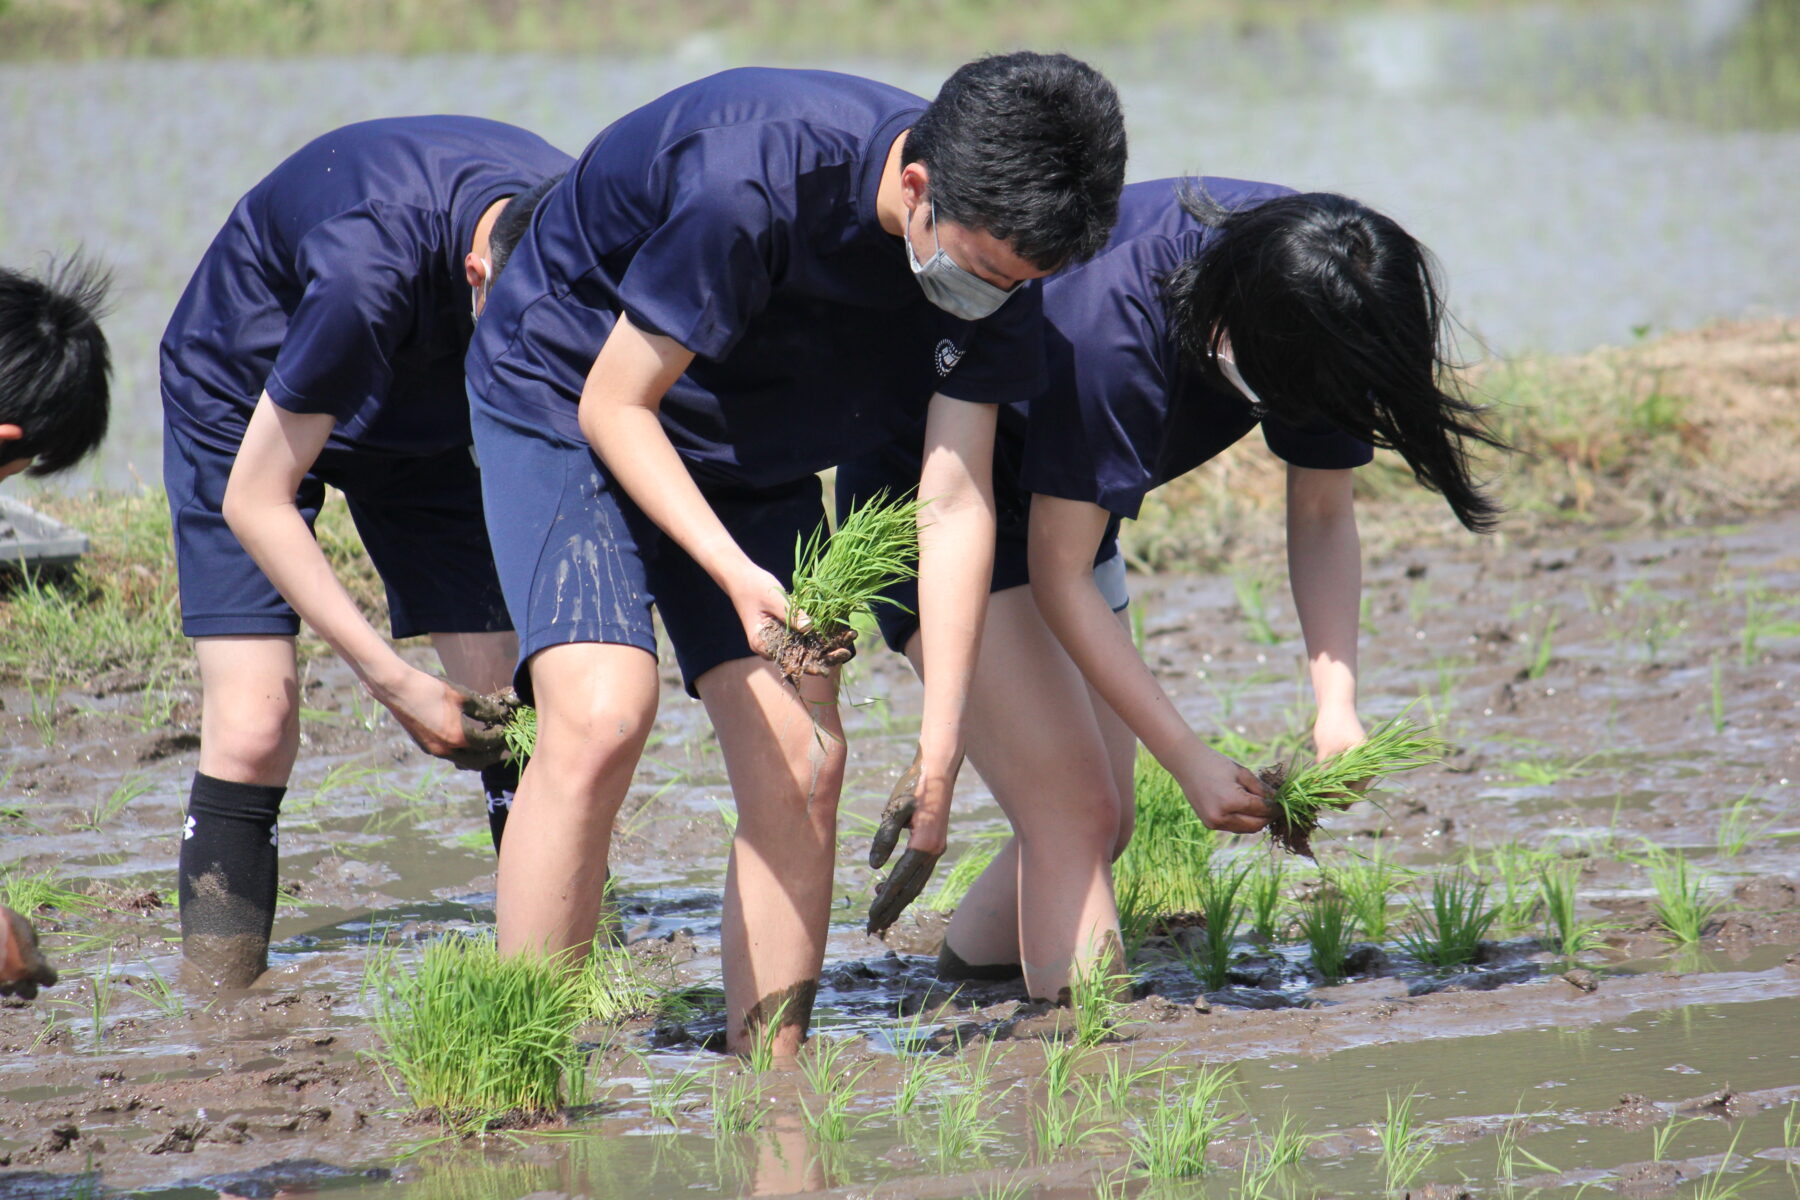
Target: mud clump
pixel 813 651
pixel 1292 831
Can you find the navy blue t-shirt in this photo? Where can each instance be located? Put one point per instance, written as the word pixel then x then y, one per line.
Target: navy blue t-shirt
pixel 1120 415
pixel 337 285
pixel 736 215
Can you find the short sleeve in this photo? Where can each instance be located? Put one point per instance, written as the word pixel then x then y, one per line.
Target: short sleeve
pixel 360 273
pixel 1095 433
pixel 1005 362
pixel 706 268
pixel 1319 447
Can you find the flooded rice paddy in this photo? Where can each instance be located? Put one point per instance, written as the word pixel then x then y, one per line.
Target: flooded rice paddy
pixel 1604 696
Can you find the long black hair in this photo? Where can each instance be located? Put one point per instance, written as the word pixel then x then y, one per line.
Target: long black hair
pixel 1334 311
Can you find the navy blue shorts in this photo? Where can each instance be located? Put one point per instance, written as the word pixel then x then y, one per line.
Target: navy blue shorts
pixel 581 563
pixel 419 516
pixel 895 468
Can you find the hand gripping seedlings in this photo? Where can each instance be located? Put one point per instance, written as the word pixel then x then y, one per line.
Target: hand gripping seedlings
pixel 1300 795
pixel 838 575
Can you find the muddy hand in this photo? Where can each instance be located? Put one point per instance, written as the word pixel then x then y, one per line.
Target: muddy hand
pixel 838 649
pixel 484 718
pixel 23 968
pixel 913 871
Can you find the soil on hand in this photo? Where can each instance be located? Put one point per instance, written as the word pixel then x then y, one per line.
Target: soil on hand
pixel 802 652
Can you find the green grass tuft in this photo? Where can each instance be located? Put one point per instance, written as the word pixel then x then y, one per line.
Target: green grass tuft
pixel 474 1037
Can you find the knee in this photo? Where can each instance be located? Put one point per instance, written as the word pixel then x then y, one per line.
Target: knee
pixel 256 742
pixel 1090 824
pixel 588 743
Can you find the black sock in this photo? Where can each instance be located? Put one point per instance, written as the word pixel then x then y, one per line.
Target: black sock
pixel 227 879
pixel 499 781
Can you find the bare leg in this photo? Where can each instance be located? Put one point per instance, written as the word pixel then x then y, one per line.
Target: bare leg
pixel 596 704
pixel 249 708
pixel 1039 745
pixel 481 661
pixel 784 754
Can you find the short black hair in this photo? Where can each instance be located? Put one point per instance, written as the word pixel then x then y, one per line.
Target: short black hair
pixel 1334 313
pixel 54 363
pixel 1029 148
pixel 511 224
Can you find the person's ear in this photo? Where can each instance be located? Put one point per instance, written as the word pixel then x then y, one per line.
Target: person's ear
pixel 474 269
pixel 915 183
pixel 10 433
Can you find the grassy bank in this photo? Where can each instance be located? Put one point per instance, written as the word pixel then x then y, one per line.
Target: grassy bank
pixel 1692 428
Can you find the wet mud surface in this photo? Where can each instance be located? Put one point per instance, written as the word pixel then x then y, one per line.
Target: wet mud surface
pixel 1602 693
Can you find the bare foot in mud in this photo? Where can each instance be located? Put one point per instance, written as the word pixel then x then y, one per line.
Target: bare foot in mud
pixel 801 652
pixel 23 967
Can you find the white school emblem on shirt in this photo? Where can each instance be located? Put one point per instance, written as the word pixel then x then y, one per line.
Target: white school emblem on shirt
pixel 947 355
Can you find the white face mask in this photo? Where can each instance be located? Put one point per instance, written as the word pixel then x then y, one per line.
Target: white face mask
pixel 478 293
pixel 948 286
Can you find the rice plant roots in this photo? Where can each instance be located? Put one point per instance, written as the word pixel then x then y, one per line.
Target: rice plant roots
pixel 1300 795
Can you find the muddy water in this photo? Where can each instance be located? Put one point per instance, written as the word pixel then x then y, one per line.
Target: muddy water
pixel 1620 739
pixel 1509 139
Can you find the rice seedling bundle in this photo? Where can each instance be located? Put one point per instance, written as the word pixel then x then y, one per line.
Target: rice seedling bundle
pixel 475 1037
pixel 838 575
pixel 1301 795
pixel 1163 870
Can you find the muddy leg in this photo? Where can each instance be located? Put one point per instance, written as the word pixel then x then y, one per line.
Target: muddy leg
pixel 596 704
pixel 784 753
pixel 249 737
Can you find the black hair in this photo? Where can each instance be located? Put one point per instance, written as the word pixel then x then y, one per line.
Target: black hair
pixel 1029 148
pixel 1334 313
pixel 510 225
pixel 54 363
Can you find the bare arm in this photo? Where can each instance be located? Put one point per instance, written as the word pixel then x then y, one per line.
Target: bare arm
pixel 1064 537
pixel 956 562
pixel 619 405
pixel 1325 572
pixel 279 448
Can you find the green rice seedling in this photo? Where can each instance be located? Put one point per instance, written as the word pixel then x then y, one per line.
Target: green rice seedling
pixel 1405 1148
pixel 1762 619
pixel 1564 932
pixel 761 1058
pixel 1790 1126
pixel 834 1085
pixel 1326 927
pixel 1367 885
pixel 520 733
pixel 1094 1000
pixel 165 999
pixel 1262 896
pixel 1543 648
pixel 1547 772
pixel 1664 1135
pixel 1508 1152
pixel 43 709
pixel 1059 1126
pixel 977 854
pixel 1284 1146
pixel 1448 933
pixel 738 1107
pixel 129 789
pixel 100 998
pixel 1683 905
pixel 1301 794
pixel 1714 1186
pixel 1254 605
pixel 670 1094
pixel 1516 867
pixel 616 986
pixel 1011 1189
pixel 964 1125
pixel 840 574
pixel 1739 827
pixel 1170 849
pixel 30 892
pixel 1223 910
pixel 473 1035
pixel 1059 1064
pixel 1172 1137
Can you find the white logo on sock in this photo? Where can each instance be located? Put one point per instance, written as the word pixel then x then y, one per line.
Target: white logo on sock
pixel 187 830
pixel 274 835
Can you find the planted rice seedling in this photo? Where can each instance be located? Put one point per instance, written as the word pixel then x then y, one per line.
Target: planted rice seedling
pixel 1716 707
pixel 1714 1186
pixel 166 1000
pixel 1301 795
pixel 1448 933
pixel 1094 999
pixel 30 892
pixel 1405 1148
pixel 978 853
pixel 474 1036
pixel 738 1106
pixel 1516 868
pixel 1543 649
pixel 1547 772
pixel 1508 1152
pixel 834 1085
pixel 1172 1137
pixel 1739 826
pixel 1254 605
pixel 1367 885
pixel 1763 618
pixel 116 801
pixel 670 1094
pixel 1683 905
pixel 1326 926
pixel 1262 896
pixel 964 1125
pixel 1664 1134
pixel 1223 911
pixel 838 575
pixel 1564 931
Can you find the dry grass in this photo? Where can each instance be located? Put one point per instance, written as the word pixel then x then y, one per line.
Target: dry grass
pixel 1694 427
